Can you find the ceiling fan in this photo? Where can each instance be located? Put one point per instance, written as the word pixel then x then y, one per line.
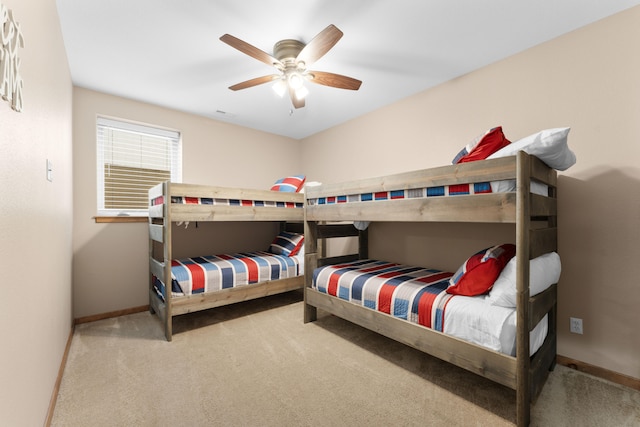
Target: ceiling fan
pixel 292 58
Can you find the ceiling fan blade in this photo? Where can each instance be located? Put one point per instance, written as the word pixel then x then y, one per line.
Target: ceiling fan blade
pixel 334 80
pixel 250 50
pixel 319 45
pixel 297 102
pixel 254 82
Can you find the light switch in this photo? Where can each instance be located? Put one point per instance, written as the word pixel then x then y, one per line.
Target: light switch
pixel 49 171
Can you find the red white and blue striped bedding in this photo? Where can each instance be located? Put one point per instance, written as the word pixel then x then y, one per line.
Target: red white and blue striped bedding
pixel 418 295
pixel 216 272
pixel 411 293
pixel 503 186
pixel 184 200
pixel 412 193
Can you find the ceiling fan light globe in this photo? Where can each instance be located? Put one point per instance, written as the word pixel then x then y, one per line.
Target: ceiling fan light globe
pixel 296 81
pixel 302 92
pixel 280 87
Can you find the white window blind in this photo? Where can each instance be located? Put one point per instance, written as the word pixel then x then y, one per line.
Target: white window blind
pixel 131 159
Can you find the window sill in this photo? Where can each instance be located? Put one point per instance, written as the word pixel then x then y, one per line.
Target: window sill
pixel 119 219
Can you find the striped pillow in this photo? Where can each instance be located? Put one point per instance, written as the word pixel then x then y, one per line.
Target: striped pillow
pixel 290 184
pixel 287 244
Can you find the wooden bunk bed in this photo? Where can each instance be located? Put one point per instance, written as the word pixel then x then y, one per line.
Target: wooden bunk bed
pixel 174 203
pixel 535 218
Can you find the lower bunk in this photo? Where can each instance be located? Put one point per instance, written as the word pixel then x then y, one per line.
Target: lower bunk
pixel 410 305
pixel 419 295
pixel 204 282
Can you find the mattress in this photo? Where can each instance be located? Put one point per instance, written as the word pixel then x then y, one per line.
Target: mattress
pixel 216 272
pixel 184 200
pixel 418 295
pixel 503 186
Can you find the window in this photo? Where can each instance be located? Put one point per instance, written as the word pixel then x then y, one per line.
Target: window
pixel 131 159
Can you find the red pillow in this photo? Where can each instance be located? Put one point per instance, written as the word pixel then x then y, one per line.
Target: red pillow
pixel 483 146
pixel 477 274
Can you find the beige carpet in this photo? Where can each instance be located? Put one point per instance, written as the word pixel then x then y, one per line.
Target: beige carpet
pixel 257 364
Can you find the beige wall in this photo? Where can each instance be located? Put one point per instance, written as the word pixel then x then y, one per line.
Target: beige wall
pixel 35 220
pixel 110 270
pixel 588 80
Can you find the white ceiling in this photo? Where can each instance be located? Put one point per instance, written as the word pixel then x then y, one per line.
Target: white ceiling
pixel 168 52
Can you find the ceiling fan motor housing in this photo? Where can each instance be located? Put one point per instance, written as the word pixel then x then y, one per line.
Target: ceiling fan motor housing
pixel 286 51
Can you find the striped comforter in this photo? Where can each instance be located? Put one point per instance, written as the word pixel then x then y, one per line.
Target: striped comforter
pixel 411 193
pixel 184 200
pixel 215 272
pixel 411 293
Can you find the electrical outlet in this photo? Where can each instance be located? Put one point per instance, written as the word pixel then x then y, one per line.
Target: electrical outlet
pixel 575 325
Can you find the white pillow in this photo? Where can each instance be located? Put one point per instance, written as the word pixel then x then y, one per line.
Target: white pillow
pixel 310 184
pixel 544 271
pixel 509 185
pixel 549 145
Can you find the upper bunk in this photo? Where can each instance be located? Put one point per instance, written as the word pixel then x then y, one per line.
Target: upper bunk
pixel 177 202
pixel 453 193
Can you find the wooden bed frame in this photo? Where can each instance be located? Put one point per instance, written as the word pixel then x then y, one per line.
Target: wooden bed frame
pixel 535 219
pixel 162 215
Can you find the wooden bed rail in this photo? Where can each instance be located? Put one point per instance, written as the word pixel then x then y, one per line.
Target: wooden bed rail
pixel 213 192
pixel 463 173
pixel 221 212
pixel 479 208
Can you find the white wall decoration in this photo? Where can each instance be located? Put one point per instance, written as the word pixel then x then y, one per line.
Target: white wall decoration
pixel 10 40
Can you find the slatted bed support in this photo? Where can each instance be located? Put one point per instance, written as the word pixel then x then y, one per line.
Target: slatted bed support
pixel 535 219
pixel 162 213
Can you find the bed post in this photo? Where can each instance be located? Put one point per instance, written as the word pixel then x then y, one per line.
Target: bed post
pixel 151 253
pixel 310 264
pixel 523 220
pixel 553 314
pixel 167 261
